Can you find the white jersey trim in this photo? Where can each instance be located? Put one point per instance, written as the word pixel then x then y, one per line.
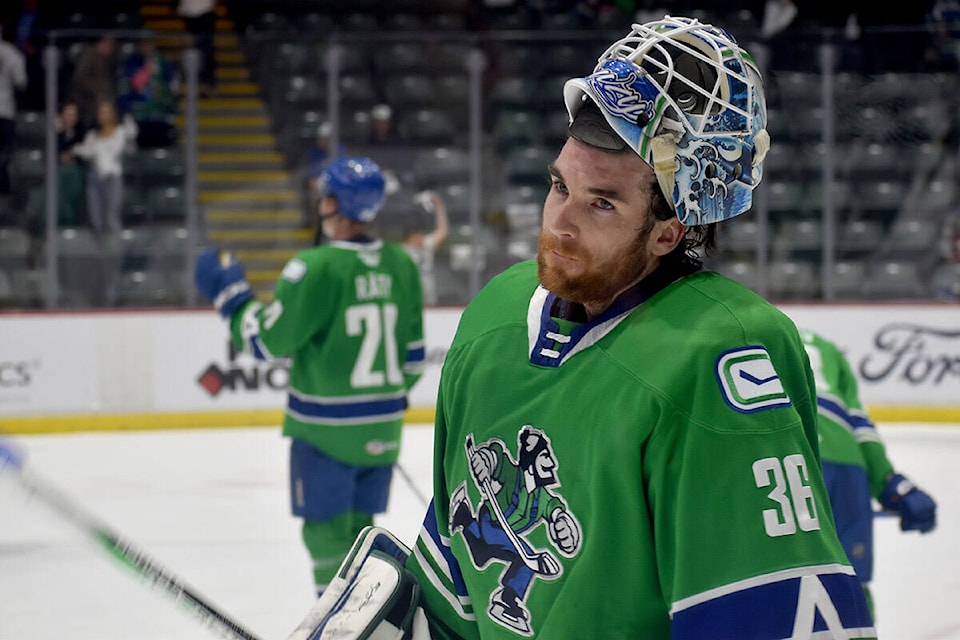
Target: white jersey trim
pixel 534 309
pixel 369 397
pixel 456 603
pixel 867 434
pixel 590 338
pixel 375 245
pixel 346 422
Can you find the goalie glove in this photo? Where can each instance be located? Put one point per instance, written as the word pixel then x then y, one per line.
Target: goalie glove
pixel 564 532
pixel 222 281
pixel 373 596
pixel 917 510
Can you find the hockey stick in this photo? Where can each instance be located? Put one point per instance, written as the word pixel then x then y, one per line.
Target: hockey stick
pixel 542 562
pixel 130 555
pixel 412 484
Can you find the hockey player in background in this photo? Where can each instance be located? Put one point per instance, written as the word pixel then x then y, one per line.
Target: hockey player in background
pixel 855 463
pixel 349 316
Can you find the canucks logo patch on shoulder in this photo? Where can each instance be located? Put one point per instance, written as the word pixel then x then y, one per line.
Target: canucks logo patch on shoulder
pixel 369 258
pixel 748 380
pixel 294 270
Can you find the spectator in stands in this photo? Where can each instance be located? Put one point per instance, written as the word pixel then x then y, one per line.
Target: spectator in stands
pixel 422 244
pixel 95 78
pixel 104 148
pixel 943 22
pixel 382 130
pixel 70 133
pixel 27 27
pixel 149 86
pixel 200 19
pixel 319 156
pixel 320 153
pixel 13 77
pixel 30 38
pixel 70 175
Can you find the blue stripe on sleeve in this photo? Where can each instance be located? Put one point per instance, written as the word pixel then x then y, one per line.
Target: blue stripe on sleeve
pixel 450 563
pixel 416 354
pixel 836 410
pixel 256 346
pixel 795 603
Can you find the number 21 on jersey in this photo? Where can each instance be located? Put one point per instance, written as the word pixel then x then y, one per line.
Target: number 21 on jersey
pixel 376 324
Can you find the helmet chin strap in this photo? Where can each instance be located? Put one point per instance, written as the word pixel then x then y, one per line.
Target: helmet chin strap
pixel 761 144
pixel 664 150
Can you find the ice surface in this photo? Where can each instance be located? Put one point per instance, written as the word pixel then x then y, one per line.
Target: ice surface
pixel 211 506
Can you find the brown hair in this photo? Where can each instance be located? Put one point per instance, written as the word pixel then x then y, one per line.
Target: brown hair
pixel 697 240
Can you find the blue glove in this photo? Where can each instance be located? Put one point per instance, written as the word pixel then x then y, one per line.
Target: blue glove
pixel 917 510
pixel 221 280
pixel 10 455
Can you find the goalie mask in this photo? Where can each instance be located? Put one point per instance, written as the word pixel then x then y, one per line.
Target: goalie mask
pixel 686 98
pixel 358 185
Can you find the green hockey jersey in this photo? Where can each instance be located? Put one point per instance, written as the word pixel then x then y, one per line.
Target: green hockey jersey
pixel 349 316
pixel 847 434
pixel 651 473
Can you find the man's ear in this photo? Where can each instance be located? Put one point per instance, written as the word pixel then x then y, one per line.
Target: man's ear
pixel 666 235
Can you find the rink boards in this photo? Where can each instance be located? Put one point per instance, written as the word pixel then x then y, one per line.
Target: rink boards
pixel 176 369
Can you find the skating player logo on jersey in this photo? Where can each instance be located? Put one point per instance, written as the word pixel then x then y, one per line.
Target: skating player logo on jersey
pixel 516 498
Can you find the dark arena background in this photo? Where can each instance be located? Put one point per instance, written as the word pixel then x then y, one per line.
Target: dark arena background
pixel 118 381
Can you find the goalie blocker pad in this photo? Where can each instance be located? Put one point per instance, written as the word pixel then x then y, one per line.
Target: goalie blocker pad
pixel 372 597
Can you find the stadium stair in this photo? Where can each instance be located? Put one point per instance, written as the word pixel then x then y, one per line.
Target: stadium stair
pixel 248 202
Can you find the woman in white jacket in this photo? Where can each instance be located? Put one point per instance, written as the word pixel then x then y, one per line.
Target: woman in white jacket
pixel 104 148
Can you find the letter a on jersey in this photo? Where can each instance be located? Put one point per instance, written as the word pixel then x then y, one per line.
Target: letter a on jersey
pixel 748 380
pixel 814 598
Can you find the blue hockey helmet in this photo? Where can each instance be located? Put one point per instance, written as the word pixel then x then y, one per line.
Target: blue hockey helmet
pixel 358 185
pixel 689 101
